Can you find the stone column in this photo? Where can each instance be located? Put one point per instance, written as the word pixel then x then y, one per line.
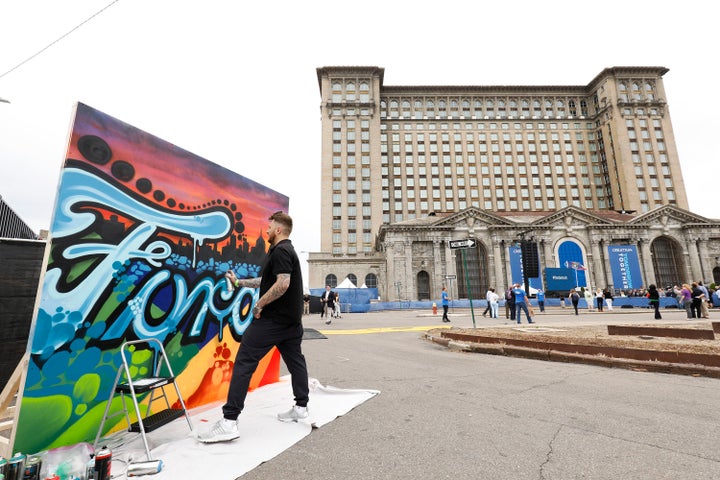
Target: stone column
pixel 498 282
pixel 410 292
pixel 705 262
pixel 440 269
pixel 645 253
pixel 693 259
pixel 597 267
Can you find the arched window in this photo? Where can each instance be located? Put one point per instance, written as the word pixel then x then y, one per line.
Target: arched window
pixel 352 278
pixel 423 285
pixel 331 280
pixel 667 261
pixel 371 280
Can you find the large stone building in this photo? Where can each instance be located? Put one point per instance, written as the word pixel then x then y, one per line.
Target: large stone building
pixel 589 173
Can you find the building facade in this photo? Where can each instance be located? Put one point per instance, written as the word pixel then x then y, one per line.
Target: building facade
pixel 406 169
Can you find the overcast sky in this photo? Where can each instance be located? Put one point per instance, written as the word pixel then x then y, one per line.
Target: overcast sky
pixel 218 77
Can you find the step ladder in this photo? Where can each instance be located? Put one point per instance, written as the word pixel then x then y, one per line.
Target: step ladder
pixel 134 387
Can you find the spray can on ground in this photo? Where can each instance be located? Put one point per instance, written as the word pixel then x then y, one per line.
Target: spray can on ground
pixel 103 459
pixel 15 467
pixel 52 476
pixel 32 468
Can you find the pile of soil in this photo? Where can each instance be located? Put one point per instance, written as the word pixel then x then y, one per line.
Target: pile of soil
pixel 596 336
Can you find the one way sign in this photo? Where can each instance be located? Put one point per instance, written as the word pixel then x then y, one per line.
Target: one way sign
pixel 466 243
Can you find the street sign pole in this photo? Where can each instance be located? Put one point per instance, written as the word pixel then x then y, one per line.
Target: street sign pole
pixel 467 282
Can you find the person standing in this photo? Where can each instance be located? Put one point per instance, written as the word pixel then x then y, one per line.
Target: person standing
pixel 600 299
pixel 306 304
pixel 654 299
pixel 445 304
pixel 706 298
pixel 510 303
pixel 698 297
pixel 608 298
pixel 541 300
pixel 520 303
pixel 588 299
pixel 493 299
pixel 686 300
pixel 336 311
pixel 277 322
pixel 574 299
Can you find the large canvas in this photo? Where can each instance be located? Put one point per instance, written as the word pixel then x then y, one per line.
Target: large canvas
pixel 141 237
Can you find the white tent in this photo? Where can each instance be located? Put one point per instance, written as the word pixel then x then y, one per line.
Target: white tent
pixel 346 284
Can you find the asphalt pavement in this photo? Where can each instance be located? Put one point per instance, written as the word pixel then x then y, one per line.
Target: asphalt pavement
pixel 448 414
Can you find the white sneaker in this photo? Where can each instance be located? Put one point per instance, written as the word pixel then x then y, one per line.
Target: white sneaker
pixel 294 414
pixel 223 431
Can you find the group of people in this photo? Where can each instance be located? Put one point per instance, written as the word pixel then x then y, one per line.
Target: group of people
pixel 695 298
pixel 595 301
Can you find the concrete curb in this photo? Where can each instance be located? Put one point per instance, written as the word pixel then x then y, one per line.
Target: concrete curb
pixel 548 354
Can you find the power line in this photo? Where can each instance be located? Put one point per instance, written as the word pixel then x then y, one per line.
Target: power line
pixel 56 41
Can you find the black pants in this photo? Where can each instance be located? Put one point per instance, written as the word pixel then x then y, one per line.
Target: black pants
pixel 575 306
pixel 445 310
pixel 261 335
pixel 656 306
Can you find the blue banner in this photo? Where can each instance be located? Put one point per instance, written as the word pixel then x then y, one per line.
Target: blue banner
pixel 560 279
pixel 516 269
pixel 625 266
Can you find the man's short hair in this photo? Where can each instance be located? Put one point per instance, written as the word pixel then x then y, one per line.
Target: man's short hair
pixel 283 219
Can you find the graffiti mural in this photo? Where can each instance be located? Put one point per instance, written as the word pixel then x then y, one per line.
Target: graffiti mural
pixel 141 237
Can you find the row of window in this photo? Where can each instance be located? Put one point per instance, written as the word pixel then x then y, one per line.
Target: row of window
pixel 370 280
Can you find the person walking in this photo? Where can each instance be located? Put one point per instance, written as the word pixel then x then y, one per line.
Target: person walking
pixel 487 299
pixel 277 322
pixel 574 299
pixel 520 303
pixel 445 304
pixel 541 300
pixel 654 300
pixel 328 302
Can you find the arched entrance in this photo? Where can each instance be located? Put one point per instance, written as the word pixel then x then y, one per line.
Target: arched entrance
pixel 570 255
pixel 667 262
pixel 476 282
pixel 423 285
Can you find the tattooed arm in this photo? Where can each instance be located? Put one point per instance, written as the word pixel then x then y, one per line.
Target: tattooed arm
pixel 247 282
pixel 282 283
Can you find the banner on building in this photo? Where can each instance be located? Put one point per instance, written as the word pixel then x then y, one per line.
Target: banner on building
pixel 516 269
pixel 625 266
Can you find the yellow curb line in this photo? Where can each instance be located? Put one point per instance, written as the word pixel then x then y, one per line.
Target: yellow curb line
pixel 361 331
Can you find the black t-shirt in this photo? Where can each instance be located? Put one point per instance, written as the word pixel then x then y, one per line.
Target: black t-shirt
pixel 287 309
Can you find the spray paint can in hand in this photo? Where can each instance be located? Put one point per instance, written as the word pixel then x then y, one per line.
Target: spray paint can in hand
pixel 103 459
pixel 15 467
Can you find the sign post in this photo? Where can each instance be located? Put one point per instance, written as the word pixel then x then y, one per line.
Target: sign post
pixel 462 245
